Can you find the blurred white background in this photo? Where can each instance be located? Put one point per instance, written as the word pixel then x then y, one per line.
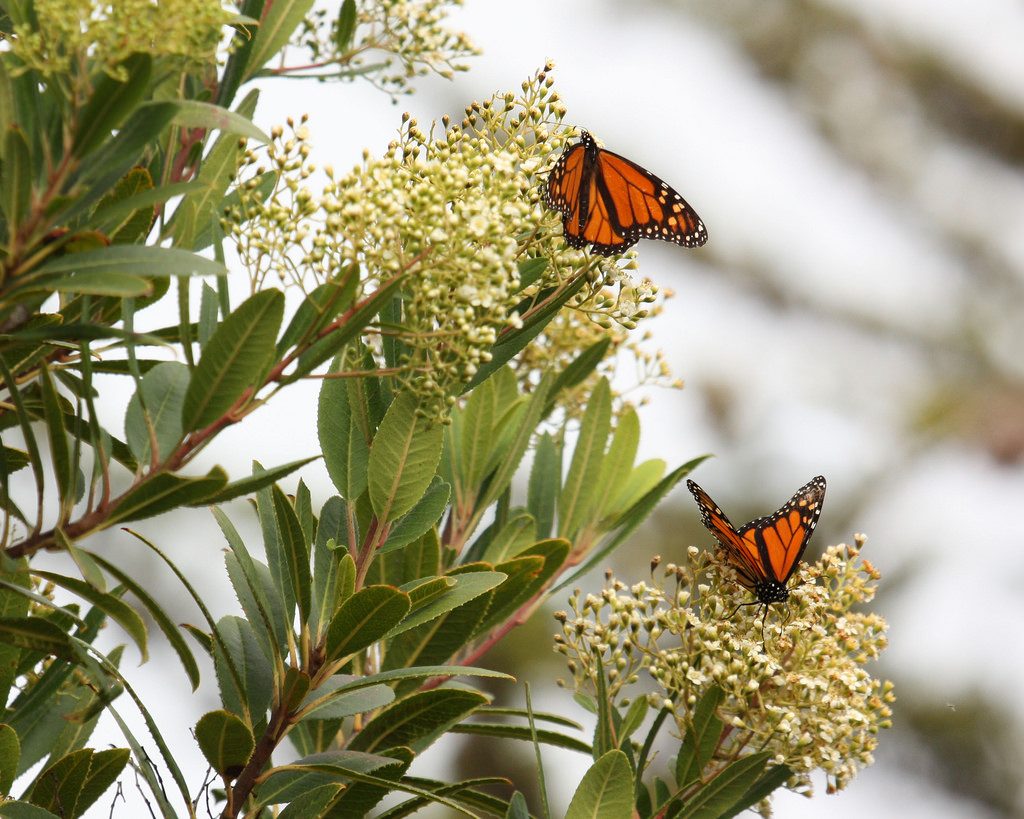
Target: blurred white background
pixel 858 312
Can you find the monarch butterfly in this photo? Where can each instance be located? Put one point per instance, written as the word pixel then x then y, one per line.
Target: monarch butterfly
pixel 610 203
pixel 765 551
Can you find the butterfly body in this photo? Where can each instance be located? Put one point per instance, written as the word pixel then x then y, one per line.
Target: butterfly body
pixel 610 203
pixel 766 551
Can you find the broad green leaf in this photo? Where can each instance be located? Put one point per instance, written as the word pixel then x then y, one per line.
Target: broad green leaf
pixel 106 767
pixel 10 751
pixel 545 484
pixel 164 492
pixel 346 453
pixel 701 738
pixel 226 742
pixel 239 639
pixel 115 608
pixel 418 720
pixel 345 25
pixel 315 802
pixel 363 619
pixel 276 29
pixel 403 459
pixel 530 270
pixel 58 786
pixel 420 518
pixel 574 503
pixel 529 580
pixel 246 486
pixel 163 395
pixel 160 617
pixel 606 791
pixel 196 114
pixel 112 101
pixel 517 807
pixel 234 360
pixel 296 552
pixel 716 797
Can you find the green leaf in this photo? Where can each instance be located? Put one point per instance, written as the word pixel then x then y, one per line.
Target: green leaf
pixel 10 751
pixel 238 638
pixel 111 103
pixel 418 520
pixel 545 484
pixel 701 738
pixel 276 29
pixel 58 786
pixel 469 585
pixel 234 360
pixel 617 468
pixel 363 619
pixel 246 486
pixel 115 608
pixel 316 770
pixel 772 779
pixel 322 305
pixel 296 552
pixel 314 802
pixel 148 260
pixel 475 435
pixel 403 459
pixel 530 270
pixel 164 623
pixel 25 810
pixel 634 718
pixel 580 367
pixel 606 791
pixel 418 720
pixel 528 573
pixel 345 26
pixel 114 212
pixel 503 730
pixel 205 115
pixel 574 504
pixel 163 394
pixel 164 492
pixel 717 796
pixel 106 767
pixel 16 179
pixel 226 742
pixel 209 313
pixel 60 453
pixel 346 452
pixel 37 634
pixel 98 283
pixel 329 703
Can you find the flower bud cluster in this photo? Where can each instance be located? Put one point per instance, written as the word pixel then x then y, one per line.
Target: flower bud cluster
pixel 804 694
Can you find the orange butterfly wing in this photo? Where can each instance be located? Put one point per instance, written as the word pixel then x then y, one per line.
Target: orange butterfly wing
pixel 610 203
pixel 783 537
pixel 742 551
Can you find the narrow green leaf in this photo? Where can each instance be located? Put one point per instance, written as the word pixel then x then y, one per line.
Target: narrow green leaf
pixel 314 802
pixel 97 283
pixel 246 486
pixel 322 305
pixel 606 791
pixel 226 742
pixel 578 492
pixel 234 359
pixel 119 611
pixel 476 435
pixel 545 484
pixel 530 580
pixel 163 395
pixel 196 114
pixel 238 638
pixel 717 796
pixel 37 634
pixel 286 783
pixel 164 623
pixel 530 270
pixel 150 260
pixel 417 720
pixel 701 738
pixel 579 368
pixel 363 619
pixel 60 453
pixel 772 779
pixel 345 448
pixel 503 730
pixel 112 213
pixel 164 492
pixel 209 313
pixel 618 464
pixel 469 586
pixel 24 810
pixel 328 703
pixel 296 552
pixel 111 102
pixel 276 29
pixel 16 179
pixel 403 459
